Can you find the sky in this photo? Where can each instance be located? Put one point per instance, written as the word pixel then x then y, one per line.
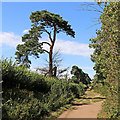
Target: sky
pixel 74 51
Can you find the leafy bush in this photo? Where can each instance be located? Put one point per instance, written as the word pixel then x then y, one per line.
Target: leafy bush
pixel 20 77
pixel 101 89
pixel 59 94
pixel 77 89
pixel 110 109
pixel 29 95
pixel 21 104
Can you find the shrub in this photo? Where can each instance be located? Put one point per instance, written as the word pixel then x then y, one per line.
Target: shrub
pixel 102 89
pixel 77 89
pixel 110 107
pixel 28 95
pixel 59 93
pixel 20 77
pixel 21 104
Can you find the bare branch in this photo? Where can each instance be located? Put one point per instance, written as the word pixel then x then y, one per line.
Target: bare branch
pixel 95 9
pixel 100 6
pixel 94 25
pixel 96 18
pixel 63 70
pixel 91 6
pixel 42 69
pixel 49 33
pixel 46 43
pixel 45 51
pixel 91 10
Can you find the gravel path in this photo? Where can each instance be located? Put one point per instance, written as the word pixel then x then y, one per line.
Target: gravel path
pixel 80 110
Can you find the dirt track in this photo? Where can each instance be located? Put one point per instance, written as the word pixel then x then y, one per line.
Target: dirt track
pixel 80 110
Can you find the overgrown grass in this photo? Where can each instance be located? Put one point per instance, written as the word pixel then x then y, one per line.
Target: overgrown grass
pixel 86 102
pixel 97 100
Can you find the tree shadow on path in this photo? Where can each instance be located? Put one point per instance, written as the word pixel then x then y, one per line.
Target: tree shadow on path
pixel 102 98
pixel 79 104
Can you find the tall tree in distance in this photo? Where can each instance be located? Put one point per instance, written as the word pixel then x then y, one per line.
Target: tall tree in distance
pixel 80 76
pixel 42 22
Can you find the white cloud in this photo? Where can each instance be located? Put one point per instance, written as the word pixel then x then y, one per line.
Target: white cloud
pixel 25 31
pixel 9 39
pixel 70 47
pixel 66 47
pixel 73 48
pixel 87 68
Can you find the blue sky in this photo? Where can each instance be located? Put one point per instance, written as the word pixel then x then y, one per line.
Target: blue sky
pixel 74 51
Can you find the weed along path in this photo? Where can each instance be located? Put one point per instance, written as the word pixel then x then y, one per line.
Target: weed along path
pixel 87 106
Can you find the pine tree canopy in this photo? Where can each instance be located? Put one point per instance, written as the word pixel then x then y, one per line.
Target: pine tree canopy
pixel 42 22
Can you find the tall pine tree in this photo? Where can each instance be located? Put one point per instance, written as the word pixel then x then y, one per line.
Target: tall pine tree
pixel 42 22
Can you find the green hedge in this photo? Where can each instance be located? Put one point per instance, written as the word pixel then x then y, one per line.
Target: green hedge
pixel 110 107
pixel 20 77
pixel 102 89
pixel 77 89
pixel 21 104
pixel 29 95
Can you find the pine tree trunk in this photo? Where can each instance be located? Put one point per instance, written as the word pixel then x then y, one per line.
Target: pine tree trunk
pixel 55 71
pixel 51 52
pixel 50 63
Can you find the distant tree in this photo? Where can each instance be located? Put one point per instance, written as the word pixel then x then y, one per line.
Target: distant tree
pixel 42 22
pixel 80 76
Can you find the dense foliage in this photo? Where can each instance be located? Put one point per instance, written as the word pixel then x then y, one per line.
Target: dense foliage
pixel 28 95
pixel 80 76
pixel 107 60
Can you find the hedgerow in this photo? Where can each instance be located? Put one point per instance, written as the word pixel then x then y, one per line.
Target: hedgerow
pixel 27 94
pixel 106 57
